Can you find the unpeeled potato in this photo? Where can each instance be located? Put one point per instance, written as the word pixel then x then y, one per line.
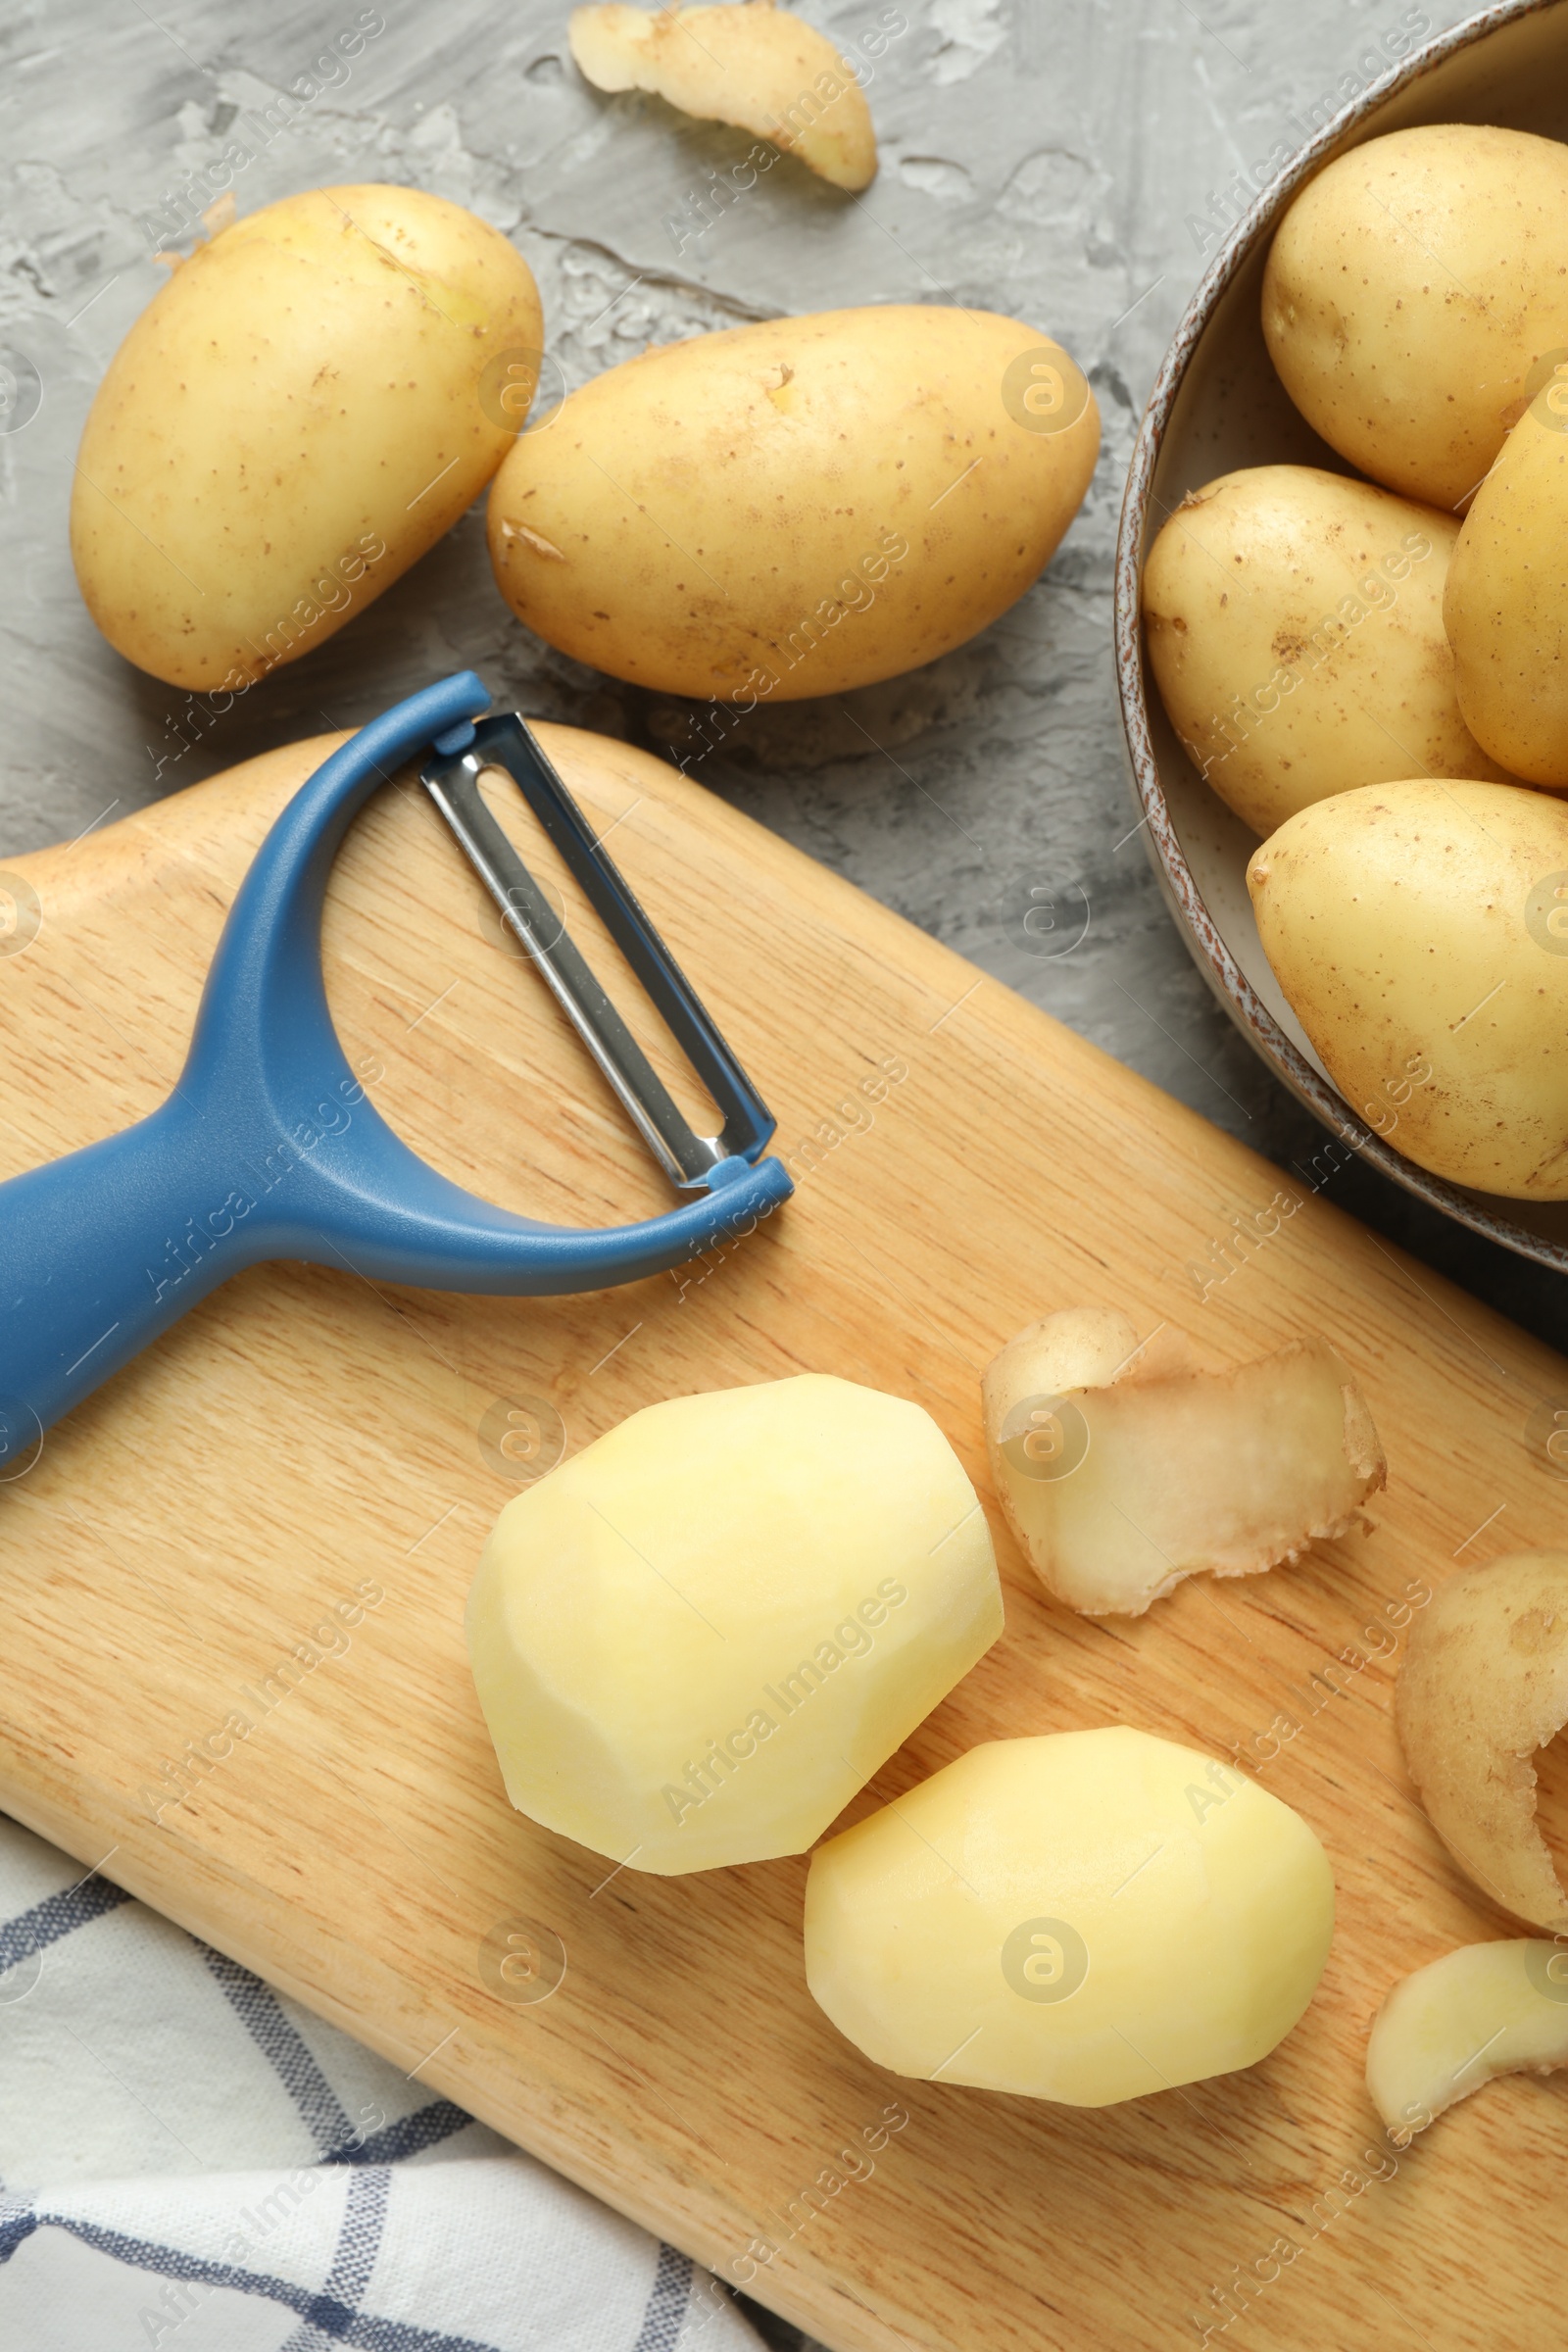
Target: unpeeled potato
pixel 1420 931
pixel 798 507
pixel 1294 628
pixel 312 400
pixel 1412 289
pixel 1505 606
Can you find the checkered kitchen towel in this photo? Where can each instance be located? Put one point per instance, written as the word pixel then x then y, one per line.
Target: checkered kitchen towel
pixel 188 2161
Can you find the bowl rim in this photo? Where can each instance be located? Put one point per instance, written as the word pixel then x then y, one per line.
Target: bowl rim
pixel 1198 927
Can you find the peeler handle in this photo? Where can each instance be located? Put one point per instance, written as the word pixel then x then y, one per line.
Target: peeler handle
pixel 269 1148
pixel 102 1251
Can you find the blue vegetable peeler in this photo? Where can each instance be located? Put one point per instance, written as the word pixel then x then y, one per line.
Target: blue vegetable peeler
pixel 268 1146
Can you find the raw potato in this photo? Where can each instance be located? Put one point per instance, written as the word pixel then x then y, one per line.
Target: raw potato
pixel 1124 1469
pixel 1295 624
pixel 293 420
pixel 1412 291
pixel 1483 1685
pixel 696 1640
pixel 750 63
pixel 1486 2010
pixel 1507 594
pixel 1086 1917
pixel 798 507
pixel 1420 932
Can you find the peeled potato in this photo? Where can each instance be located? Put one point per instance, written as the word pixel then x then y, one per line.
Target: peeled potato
pixel 1294 628
pixel 747 63
pixel 1484 1686
pixel 1410 291
pixel 1507 593
pixel 1086 1917
pixel 1124 1469
pixel 313 399
pixel 1486 2010
pixel 697 1638
pixel 1420 930
pixel 798 507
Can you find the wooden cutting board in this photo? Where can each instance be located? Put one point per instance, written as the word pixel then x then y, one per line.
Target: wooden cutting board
pixel 964 1165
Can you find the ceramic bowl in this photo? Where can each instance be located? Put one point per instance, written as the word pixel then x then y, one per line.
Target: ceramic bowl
pixel 1218 404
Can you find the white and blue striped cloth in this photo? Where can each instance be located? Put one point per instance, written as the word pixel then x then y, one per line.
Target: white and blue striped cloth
pixel 189 2161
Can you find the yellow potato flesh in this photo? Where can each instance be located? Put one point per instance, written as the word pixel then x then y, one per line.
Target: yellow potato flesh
pixel 696 1640
pixel 1294 628
pixel 1084 1917
pixel 1123 1470
pixel 798 507
pixel 1507 597
pixel 1417 930
pixel 1486 2010
pixel 294 419
pixel 1410 290
pixel 746 63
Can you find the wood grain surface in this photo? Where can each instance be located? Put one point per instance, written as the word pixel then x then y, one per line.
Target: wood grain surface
pixel 303 1434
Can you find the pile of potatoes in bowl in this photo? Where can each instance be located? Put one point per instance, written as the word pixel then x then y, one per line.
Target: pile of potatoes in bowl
pixel 1370 668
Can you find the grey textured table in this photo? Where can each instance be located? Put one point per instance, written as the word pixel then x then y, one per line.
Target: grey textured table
pixel 1053 161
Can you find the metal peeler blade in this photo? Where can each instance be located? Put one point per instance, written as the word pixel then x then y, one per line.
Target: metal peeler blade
pixel 452 779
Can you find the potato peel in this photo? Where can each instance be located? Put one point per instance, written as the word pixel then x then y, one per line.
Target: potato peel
pixel 1484 1687
pixel 1124 1469
pixel 746 63
pixel 1485 2010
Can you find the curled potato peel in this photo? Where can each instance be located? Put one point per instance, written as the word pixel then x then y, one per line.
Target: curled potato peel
pixel 1124 1469
pixel 1482 1689
pixel 1486 2010
pixel 747 63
